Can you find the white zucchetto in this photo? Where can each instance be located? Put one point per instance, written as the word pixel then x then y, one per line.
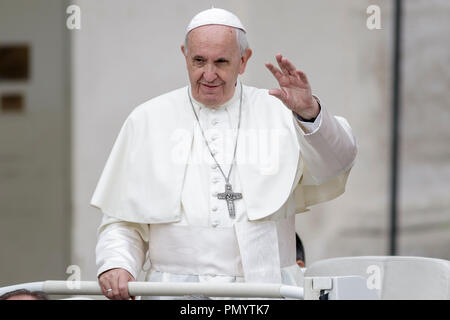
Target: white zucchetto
pixel 215 16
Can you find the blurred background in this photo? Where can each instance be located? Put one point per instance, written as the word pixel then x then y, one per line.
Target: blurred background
pixel 67 85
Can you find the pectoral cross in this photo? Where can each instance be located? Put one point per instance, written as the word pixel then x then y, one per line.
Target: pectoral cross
pixel 230 196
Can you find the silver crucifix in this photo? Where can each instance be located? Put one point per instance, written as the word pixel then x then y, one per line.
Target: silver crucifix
pixel 230 196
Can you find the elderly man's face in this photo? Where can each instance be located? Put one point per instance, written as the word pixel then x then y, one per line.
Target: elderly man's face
pixel 214 63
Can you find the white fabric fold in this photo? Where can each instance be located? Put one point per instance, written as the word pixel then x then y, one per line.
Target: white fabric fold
pixel 266 247
pixel 258 243
pixel 194 250
pixel 328 151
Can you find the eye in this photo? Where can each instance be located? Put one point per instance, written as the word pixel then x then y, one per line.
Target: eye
pixel 198 60
pixel 222 61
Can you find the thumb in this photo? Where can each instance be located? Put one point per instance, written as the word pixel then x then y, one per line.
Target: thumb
pixel 278 93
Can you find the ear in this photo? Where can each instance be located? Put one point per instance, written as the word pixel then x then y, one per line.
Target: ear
pixel 182 50
pixel 244 59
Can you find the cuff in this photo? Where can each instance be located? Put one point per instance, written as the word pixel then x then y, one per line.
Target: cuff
pixel 309 127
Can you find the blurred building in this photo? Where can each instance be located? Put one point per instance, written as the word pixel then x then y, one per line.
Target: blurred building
pixel 63 104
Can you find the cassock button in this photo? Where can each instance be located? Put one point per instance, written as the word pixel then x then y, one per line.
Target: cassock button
pixel 214 209
pixel 214 166
pixel 214 122
pixel 214 224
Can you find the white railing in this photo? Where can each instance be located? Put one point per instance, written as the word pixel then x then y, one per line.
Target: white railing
pixel 135 288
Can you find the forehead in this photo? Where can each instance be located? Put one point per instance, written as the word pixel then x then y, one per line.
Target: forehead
pixel 213 40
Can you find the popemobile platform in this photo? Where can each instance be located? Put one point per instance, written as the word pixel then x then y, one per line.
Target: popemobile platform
pixel 345 278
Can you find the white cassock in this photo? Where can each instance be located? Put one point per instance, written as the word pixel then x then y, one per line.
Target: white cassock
pixel 158 190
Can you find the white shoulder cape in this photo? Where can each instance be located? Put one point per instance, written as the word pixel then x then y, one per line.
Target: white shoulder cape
pixel 143 176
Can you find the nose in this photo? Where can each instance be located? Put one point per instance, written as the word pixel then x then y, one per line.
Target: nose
pixel 209 74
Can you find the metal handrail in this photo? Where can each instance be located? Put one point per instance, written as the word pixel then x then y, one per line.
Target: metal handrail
pixel 136 288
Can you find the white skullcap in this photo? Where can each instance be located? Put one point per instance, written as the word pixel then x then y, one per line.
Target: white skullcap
pixel 215 16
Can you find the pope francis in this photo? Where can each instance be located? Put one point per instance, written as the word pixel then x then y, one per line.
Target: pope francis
pixel 203 183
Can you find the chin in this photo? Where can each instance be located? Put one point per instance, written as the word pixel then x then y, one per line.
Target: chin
pixel 210 101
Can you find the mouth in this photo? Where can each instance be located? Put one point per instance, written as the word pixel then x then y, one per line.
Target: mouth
pixel 209 86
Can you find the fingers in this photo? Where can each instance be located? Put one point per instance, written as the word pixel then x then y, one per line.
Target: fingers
pixel 302 76
pixel 287 67
pixel 122 286
pixel 114 284
pixel 280 94
pixel 107 284
pixel 275 71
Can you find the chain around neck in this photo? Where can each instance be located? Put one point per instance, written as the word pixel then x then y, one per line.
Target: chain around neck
pixel 227 178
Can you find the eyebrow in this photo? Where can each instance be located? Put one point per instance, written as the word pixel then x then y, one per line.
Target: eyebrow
pixel 217 60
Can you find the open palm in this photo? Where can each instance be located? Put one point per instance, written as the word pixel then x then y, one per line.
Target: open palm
pixel 294 91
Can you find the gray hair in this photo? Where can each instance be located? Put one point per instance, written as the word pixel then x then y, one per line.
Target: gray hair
pixel 240 37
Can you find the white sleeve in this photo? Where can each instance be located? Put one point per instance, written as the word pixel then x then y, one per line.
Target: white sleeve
pixel 121 244
pixel 328 150
pixel 311 126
